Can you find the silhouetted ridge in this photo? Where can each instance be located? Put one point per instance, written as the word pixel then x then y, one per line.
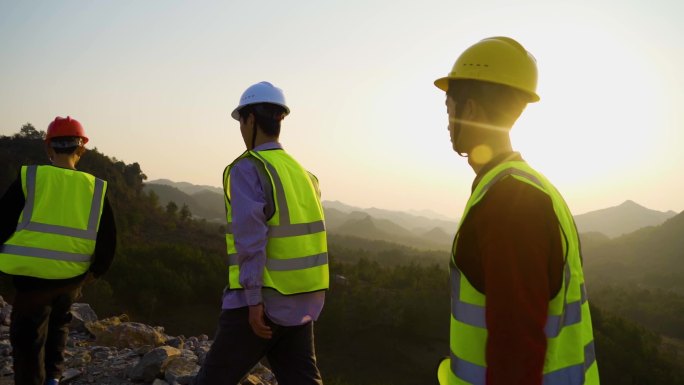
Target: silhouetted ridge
pixel 625 218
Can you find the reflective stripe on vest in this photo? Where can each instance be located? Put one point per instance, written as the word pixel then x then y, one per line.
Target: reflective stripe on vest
pixel 281 229
pixel 288 264
pixel 44 253
pixel 476 374
pixel 570 356
pixel 66 251
pixel 93 219
pixel 289 230
pixel 474 315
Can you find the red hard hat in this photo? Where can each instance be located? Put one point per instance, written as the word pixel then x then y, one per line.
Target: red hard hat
pixel 65 127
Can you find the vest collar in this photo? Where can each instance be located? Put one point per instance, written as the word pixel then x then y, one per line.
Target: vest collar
pixel 497 160
pixel 268 146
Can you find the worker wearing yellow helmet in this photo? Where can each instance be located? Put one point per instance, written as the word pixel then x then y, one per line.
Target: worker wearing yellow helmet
pixel 57 233
pixel 519 310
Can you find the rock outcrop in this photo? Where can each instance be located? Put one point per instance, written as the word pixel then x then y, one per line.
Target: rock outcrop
pixel 116 351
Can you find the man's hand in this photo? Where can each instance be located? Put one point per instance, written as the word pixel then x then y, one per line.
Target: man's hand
pixel 257 322
pixel 89 278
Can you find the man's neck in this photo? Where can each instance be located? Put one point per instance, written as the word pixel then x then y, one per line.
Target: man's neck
pixel 263 140
pixel 68 162
pixel 479 158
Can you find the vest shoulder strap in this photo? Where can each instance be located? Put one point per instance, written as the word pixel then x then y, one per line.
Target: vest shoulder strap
pixel 264 180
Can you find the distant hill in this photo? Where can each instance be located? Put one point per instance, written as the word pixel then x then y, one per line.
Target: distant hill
pixel 211 201
pixel 364 225
pixel 186 187
pixel 650 257
pixel 639 276
pixel 418 224
pixel 622 219
pixel 341 219
pixel 202 204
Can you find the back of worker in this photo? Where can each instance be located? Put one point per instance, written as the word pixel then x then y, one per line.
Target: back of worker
pixel 277 254
pixel 57 233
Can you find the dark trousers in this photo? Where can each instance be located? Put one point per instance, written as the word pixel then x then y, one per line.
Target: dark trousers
pixel 39 332
pixel 236 349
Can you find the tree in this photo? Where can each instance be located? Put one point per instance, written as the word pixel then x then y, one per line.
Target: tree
pixel 154 198
pixel 172 208
pixel 185 213
pixel 134 176
pixel 27 131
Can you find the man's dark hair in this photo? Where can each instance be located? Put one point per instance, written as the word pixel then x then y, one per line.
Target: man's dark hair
pixel 503 104
pixel 65 144
pixel 266 115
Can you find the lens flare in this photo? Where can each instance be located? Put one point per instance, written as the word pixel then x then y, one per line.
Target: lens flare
pixel 481 154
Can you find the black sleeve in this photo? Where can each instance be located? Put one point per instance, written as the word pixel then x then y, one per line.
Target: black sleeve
pixel 11 206
pixel 105 245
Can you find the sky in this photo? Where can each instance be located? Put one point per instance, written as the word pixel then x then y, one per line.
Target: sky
pixel 154 82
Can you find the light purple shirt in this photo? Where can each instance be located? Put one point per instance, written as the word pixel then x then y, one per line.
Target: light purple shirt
pixel 248 202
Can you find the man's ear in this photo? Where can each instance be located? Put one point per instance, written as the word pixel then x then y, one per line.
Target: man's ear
pixel 80 150
pixel 48 151
pixel 469 109
pixel 251 120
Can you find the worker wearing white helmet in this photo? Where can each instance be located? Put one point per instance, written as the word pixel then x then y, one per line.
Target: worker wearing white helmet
pixel 519 310
pixel 277 254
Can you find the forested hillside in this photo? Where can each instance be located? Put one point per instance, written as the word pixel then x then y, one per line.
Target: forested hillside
pixel 387 312
pixel 202 204
pixel 640 276
pixel 651 257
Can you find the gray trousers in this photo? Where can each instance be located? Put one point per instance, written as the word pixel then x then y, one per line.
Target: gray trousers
pixel 236 349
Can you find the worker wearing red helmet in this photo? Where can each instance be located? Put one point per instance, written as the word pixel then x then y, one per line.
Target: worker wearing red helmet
pixel 57 232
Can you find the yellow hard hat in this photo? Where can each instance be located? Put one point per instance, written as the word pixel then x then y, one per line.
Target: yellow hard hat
pixel 499 60
pixel 443 371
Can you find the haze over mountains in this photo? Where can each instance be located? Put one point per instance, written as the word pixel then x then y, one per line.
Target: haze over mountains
pixel 633 256
pixel 420 229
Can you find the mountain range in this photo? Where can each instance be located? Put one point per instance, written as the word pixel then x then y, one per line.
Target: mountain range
pixel 420 229
pixel 169 268
pixel 622 219
pixel 651 257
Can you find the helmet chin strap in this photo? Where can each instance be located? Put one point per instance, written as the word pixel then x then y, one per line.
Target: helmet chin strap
pixel 458 125
pixel 254 133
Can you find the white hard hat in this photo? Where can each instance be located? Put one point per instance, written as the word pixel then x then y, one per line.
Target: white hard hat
pixel 262 92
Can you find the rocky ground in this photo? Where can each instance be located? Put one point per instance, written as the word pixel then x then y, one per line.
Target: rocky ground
pixel 116 351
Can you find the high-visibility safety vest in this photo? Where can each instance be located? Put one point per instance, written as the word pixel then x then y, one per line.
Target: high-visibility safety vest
pixel 57 229
pixel 296 247
pixel 570 358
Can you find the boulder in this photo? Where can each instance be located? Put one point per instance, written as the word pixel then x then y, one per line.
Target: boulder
pixel 97 327
pixel 252 379
pixel 132 335
pixel 70 374
pixel 81 314
pixel 175 342
pixel 201 353
pixel 181 370
pixel 5 313
pixel 264 373
pixel 153 364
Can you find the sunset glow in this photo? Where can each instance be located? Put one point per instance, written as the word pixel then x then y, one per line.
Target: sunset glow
pixel 154 82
